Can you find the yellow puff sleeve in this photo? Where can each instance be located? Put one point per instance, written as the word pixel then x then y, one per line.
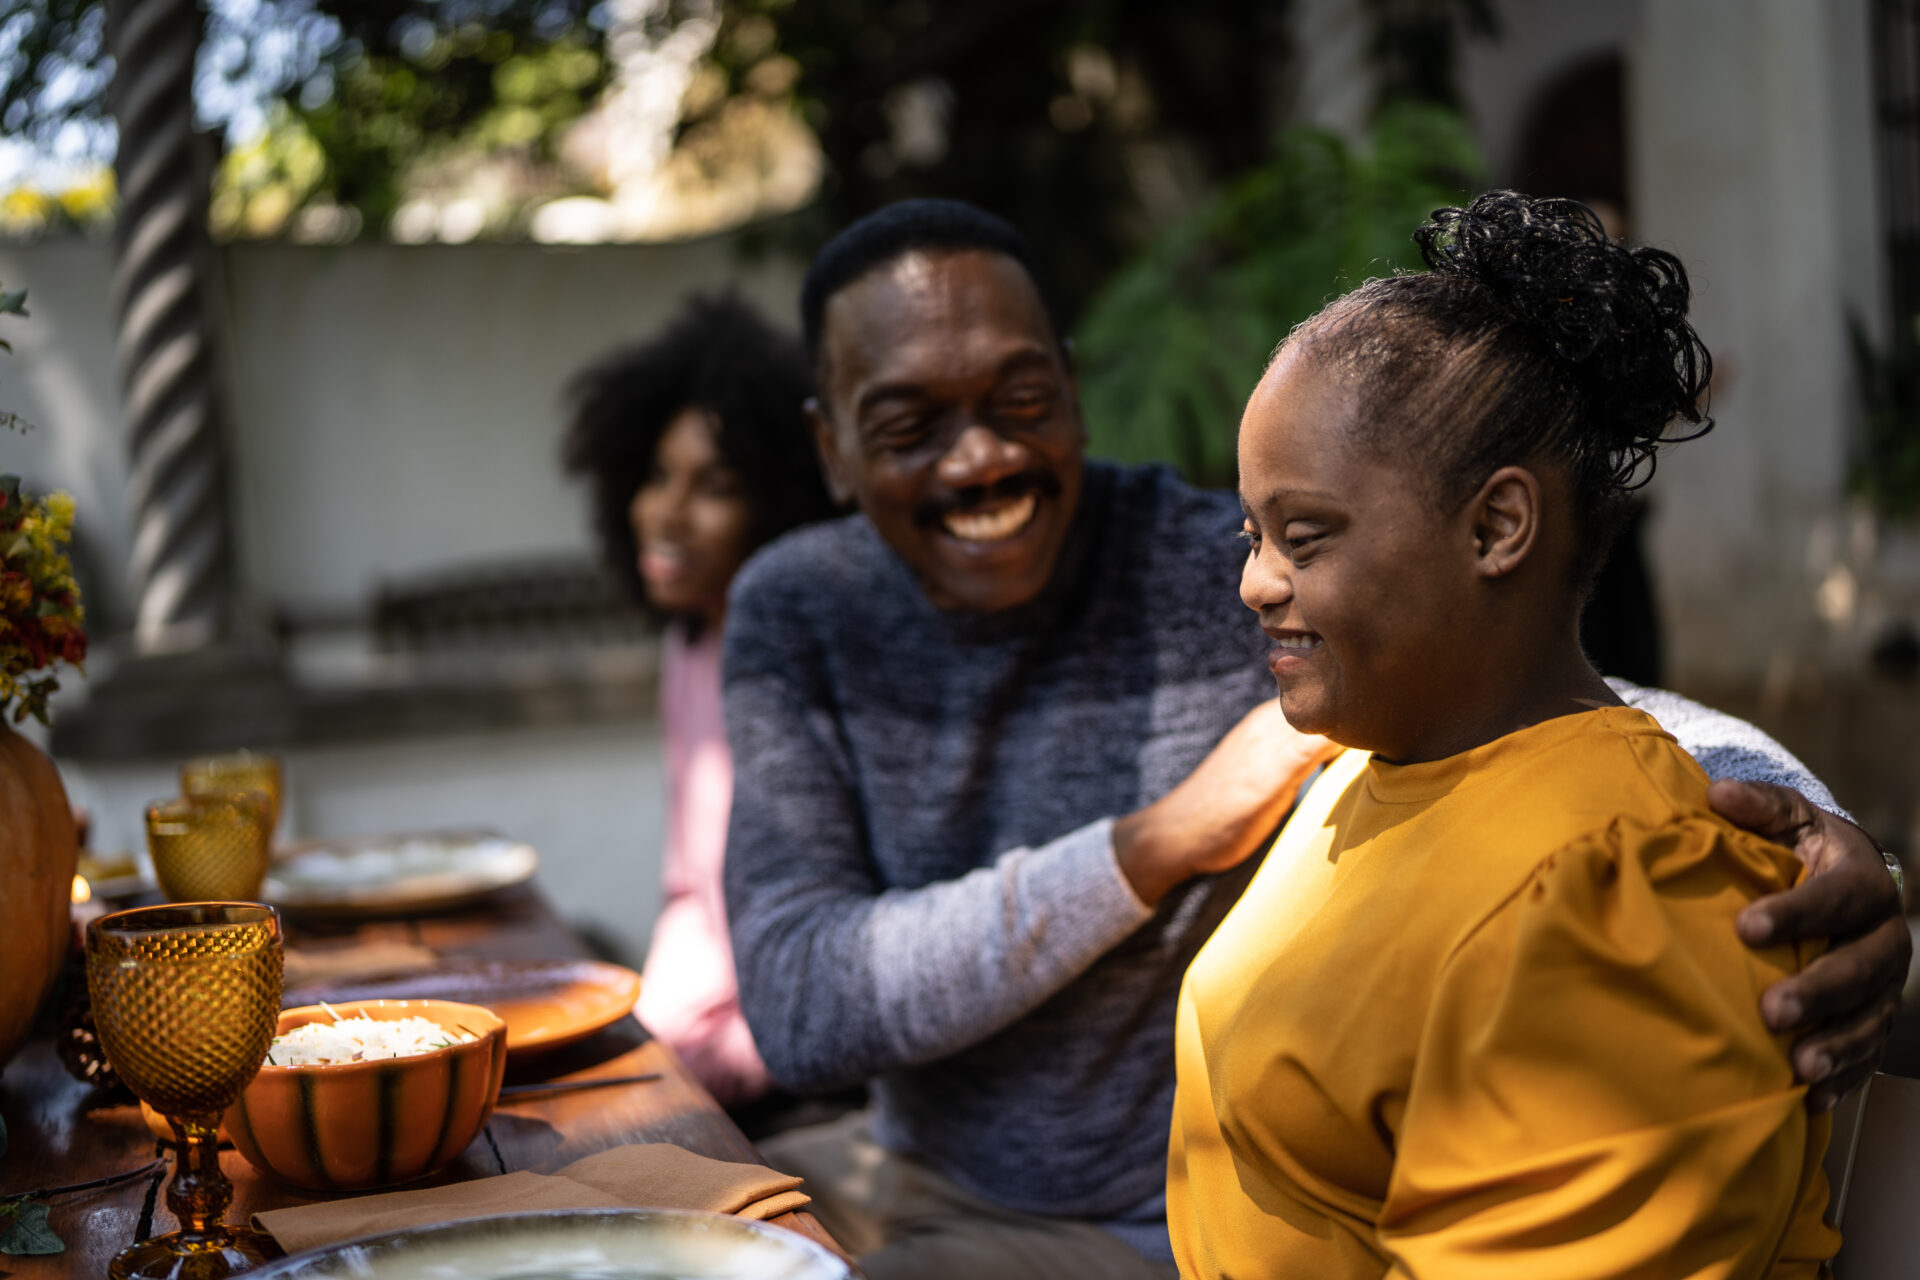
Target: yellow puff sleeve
pixel 1595 1094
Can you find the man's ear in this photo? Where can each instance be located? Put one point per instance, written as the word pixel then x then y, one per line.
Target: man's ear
pixel 826 443
pixel 1505 518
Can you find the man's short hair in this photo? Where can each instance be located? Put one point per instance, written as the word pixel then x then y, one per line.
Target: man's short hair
pixel 901 228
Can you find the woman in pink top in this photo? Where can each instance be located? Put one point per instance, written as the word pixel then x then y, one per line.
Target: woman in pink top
pixel 697 452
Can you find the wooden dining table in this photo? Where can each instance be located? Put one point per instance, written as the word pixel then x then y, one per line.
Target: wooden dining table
pixel 60 1135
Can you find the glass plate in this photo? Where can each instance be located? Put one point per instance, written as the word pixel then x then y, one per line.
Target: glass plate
pixel 395 874
pixel 599 1244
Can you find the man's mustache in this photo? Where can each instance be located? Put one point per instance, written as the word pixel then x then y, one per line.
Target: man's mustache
pixel 1044 484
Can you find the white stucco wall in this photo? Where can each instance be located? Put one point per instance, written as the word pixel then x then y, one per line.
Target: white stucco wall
pixel 1538 40
pixel 60 377
pixel 393 408
pixel 1750 150
pixel 1751 144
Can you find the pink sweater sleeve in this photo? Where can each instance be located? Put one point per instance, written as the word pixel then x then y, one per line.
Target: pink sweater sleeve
pixel 690 997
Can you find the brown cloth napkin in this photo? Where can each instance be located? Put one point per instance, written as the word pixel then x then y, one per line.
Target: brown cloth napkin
pixel 649 1175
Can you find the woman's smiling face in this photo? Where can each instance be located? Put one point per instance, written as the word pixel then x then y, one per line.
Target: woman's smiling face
pixel 693 523
pixel 1366 590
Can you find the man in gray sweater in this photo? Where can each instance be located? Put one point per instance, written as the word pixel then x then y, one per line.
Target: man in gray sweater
pixel 1004 744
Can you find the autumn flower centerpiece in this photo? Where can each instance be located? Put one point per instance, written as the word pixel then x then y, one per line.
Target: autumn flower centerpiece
pixel 40 617
pixel 40 614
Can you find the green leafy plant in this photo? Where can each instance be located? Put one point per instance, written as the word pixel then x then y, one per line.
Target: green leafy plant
pixel 24 1231
pixel 1170 348
pixel 12 304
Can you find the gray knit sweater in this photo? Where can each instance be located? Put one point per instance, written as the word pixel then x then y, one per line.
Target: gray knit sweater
pixel 919 872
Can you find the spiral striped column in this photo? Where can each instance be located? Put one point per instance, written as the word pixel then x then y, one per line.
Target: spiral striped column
pixel 182 562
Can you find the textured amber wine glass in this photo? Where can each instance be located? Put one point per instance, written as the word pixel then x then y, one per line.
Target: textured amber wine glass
pixel 210 847
pixel 236 771
pixel 186 999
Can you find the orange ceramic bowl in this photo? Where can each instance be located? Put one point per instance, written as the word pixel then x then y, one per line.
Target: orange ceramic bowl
pixel 354 1125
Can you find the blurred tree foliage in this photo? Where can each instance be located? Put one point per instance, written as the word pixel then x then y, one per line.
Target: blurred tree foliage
pixel 1089 123
pixel 1086 124
pixel 1416 46
pixel 412 78
pixel 1169 350
pixel 390 83
pixel 50 47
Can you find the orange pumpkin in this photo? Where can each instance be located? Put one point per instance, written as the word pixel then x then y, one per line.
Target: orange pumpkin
pixel 354 1125
pixel 37 853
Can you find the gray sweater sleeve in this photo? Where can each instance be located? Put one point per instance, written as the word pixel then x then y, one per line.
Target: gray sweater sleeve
pixel 1727 747
pixel 843 977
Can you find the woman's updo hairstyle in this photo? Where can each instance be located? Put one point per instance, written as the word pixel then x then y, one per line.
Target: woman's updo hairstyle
pixel 1533 337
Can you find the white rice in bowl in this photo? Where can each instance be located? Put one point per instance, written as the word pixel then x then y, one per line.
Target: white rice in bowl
pixel 361 1039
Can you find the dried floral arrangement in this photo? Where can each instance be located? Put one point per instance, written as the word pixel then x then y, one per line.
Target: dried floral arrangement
pixel 41 621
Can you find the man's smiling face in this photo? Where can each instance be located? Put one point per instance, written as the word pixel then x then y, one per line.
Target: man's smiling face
pixel 949 414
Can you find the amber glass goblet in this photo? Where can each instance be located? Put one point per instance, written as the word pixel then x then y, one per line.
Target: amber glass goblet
pixel 236 771
pixel 186 999
pixel 210 848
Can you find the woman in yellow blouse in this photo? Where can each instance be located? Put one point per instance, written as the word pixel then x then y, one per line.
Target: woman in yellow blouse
pixel 1482 1012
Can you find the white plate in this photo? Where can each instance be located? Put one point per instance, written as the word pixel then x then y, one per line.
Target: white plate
pixel 372 875
pixel 598 1244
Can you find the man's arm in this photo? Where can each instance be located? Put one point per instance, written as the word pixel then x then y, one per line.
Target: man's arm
pixel 843 977
pixel 1726 746
pixel 1845 1001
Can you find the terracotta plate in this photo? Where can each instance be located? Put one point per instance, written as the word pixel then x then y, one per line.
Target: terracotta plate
pixel 395 874
pixel 543 1002
pixel 603 1244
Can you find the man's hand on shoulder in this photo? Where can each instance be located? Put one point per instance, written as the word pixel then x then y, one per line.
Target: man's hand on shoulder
pixel 1216 818
pixel 1843 1004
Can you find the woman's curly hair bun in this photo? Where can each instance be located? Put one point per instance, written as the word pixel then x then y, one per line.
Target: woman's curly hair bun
pixel 1614 316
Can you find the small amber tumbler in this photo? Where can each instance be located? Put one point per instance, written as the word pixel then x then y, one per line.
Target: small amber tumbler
pixel 236 771
pixel 210 848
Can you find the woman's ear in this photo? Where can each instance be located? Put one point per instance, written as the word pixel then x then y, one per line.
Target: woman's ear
pixel 826 443
pixel 1506 521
